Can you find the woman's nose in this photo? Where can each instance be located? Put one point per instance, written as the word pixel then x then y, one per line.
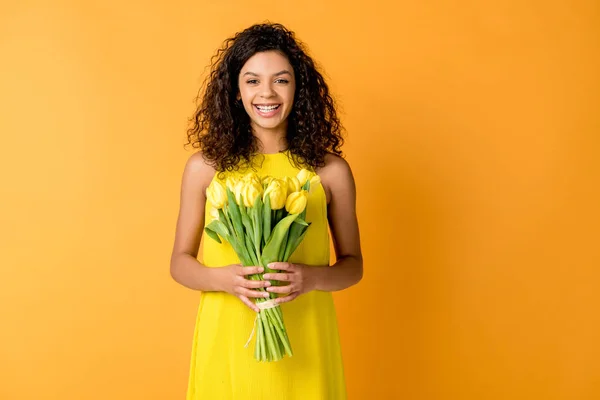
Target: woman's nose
pixel 266 90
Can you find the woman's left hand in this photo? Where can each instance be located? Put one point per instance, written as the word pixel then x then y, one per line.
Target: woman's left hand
pixel 300 279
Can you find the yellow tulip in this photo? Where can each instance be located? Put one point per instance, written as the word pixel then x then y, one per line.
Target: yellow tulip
pixel 214 213
pixel 296 202
pixel 251 177
pixel 293 184
pixel 277 192
pixel 250 192
pixel 216 194
pixel 267 180
pixel 238 191
pixel 230 182
pixel 303 176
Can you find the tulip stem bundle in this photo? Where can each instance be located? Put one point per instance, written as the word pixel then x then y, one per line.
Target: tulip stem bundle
pixel 264 220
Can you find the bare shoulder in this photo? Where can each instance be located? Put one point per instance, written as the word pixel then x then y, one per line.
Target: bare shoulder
pixel 198 172
pixel 197 175
pixel 336 175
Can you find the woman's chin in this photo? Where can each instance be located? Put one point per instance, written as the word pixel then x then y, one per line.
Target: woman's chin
pixel 268 124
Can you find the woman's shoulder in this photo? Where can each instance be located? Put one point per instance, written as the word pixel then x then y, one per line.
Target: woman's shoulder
pixel 199 170
pixel 334 165
pixel 336 174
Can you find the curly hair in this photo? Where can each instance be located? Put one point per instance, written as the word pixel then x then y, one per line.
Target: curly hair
pixel 222 130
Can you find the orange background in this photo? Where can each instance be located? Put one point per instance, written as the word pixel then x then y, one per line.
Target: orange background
pixel 473 135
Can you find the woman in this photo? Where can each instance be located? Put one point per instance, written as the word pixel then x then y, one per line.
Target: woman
pixel 267 109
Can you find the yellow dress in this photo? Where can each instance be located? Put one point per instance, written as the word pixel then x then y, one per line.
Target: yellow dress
pixel 222 368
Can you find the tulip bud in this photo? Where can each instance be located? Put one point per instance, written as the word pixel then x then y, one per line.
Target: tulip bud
pixel 293 184
pixel 216 194
pixel 214 213
pixel 231 182
pixel 303 176
pixel 251 177
pixel 237 191
pixel 277 192
pixel 266 180
pixel 250 193
pixel 296 202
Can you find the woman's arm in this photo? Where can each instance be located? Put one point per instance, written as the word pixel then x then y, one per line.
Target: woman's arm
pixel 184 267
pixel 341 213
pixel 338 182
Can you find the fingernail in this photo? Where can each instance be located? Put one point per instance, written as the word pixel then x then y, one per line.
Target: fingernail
pixel 267 295
pixel 270 265
pixel 267 276
pixel 260 269
pixel 267 283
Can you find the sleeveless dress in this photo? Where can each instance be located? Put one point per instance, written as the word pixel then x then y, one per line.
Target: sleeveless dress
pixel 222 368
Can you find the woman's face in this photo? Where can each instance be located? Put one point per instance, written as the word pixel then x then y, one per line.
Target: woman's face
pixel 267 88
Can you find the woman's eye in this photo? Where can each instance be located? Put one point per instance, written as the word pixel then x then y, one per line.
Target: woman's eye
pixel 282 81
pixel 252 81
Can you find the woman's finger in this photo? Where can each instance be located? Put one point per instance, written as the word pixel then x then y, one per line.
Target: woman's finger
pixel 282 266
pixel 243 271
pixel 287 298
pixel 250 293
pixel 249 303
pixel 282 289
pixel 254 284
pixel 284 277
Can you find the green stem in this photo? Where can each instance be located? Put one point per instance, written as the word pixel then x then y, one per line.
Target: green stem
pixel 257 344
pixel 284 339
pixel 278 355
pixel 261 343
pixel 271 349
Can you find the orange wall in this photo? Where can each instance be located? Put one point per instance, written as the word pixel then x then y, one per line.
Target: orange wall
pixel 476 122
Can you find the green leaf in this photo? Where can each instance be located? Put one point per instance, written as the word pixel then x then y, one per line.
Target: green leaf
pixel 251 251
pixel 224 218
pixel 283 245
pixel 271 250
pixel 212 234
pixel 247 222
pixel 267 219
pixel 289 251
pixel 256 213
pixel 235 214
pixel 295 231
pixel 300 221
pixel 220 228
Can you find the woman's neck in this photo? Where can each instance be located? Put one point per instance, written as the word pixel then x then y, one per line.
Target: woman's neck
pixel 271 141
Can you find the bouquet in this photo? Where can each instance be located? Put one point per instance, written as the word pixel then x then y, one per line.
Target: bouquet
pixel 264 220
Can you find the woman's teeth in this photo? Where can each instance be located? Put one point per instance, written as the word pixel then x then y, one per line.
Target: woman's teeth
pixel 267 108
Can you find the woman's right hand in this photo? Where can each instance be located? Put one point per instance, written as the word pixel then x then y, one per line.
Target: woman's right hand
pixel 234 280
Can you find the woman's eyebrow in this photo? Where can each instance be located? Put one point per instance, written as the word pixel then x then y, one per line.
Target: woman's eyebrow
pixel 285 71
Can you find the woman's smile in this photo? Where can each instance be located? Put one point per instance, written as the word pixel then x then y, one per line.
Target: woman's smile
pixel 267 110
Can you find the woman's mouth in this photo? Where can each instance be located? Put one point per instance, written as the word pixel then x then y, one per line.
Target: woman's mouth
pixel 267 110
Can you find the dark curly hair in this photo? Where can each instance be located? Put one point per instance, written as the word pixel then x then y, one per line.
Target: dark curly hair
pixel 222 130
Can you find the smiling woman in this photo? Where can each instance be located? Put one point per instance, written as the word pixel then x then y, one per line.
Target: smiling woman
pixel 267 109
pixel 267 88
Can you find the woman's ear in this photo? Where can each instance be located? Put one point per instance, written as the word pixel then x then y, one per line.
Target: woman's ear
pixel 238 96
